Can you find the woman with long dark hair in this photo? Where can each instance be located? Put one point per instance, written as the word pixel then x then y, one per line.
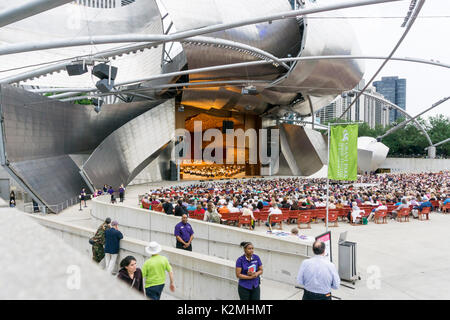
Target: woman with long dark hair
pixel 130 274
pixel 248 270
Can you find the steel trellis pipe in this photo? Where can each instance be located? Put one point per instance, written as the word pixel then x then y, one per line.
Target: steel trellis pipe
pixel 410 23
pixel 404 123
pixel 29 9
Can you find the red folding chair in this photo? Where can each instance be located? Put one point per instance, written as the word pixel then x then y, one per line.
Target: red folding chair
pixel 285 214
pixel 263 216
pixel 245 221
pixel 145 205
pixel 293 215
pixel 234 217
pixel 304 218
pixel 380 214
pixel 404 212
pixel 333 216
pixel 276 218
pixel 320 214
pixel 425 211
pixel 225 217
pixel 446 208
pixel 435 205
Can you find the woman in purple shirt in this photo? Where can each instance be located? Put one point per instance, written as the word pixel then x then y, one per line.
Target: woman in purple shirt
pixel 248 270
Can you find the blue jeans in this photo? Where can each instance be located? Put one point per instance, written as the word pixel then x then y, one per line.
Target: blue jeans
pixel 154 292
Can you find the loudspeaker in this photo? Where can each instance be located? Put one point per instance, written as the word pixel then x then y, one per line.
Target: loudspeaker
pixel 227 125
pixel 102 71
pixel 173 171
pixel 103 85
pixel 76 69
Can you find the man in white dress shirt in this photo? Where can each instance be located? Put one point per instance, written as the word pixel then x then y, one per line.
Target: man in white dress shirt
pixel 318 275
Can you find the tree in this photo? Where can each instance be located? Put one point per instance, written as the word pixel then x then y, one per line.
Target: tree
pixel 438 129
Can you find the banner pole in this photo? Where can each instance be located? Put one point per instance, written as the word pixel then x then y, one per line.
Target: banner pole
pixel 328 179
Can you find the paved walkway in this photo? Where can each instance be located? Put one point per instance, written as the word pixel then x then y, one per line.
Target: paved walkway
pixel 396 260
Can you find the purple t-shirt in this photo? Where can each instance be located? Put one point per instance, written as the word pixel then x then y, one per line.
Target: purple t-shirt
pixel 245 264
pixel 184 231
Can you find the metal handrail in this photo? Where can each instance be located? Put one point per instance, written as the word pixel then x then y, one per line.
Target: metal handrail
pixel 56 208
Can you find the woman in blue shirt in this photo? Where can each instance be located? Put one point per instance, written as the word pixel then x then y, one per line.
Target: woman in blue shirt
pixel 248 270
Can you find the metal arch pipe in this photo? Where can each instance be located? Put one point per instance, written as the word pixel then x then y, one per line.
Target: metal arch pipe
pixel 166 86
pixel 408 27
pixel 404 123
pixel 29 9
pixel 155 39
pixel 215 68
pixel 438 144
pixel 228 66
pixel 45 70
pixel 306 122
pixel 312 110
pixel 180 35
pixel 159 39
pixel 418 125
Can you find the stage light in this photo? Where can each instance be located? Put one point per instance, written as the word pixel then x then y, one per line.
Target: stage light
pixel 249 90
pixel 97 104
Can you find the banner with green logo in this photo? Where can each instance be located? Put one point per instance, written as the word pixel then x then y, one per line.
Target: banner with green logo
pixel 343 160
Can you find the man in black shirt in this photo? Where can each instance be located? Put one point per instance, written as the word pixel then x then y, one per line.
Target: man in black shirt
pixel 168 207
pixel 180 209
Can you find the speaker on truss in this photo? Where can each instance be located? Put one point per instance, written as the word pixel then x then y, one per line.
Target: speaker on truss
pixel 104 85
pixel 76 69
pixel 102 71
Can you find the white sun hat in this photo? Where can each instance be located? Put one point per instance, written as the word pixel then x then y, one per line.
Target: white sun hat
pixel 153 248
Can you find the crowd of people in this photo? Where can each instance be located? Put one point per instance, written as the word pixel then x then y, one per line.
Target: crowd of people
pixel 149 280
pixel 213 171
pixel 112 193
pixel 317 275
pixel 212 199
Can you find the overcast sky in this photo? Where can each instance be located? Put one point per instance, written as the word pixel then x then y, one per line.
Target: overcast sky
pixel 429 38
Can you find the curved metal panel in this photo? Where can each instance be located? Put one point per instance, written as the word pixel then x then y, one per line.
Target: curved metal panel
pixel 280 38
pixel 323 80
pixel 129 149
pixel 73 20
pixel 371 154
pixel 39 134
pixel 304 150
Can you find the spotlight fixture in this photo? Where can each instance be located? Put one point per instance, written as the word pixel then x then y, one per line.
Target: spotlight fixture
pixel 97 104
pixel 249 90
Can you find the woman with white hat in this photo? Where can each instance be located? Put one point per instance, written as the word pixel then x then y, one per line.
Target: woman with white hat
pixel 154 272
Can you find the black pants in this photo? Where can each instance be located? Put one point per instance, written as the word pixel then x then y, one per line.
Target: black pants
pixel 180 246
pixel 247 294
pixel 121 196
pixel 308 295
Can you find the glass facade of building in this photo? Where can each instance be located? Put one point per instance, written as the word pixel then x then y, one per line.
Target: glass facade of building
pixel 394 90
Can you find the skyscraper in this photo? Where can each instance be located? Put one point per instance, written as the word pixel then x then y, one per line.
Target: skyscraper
pixel 394 90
